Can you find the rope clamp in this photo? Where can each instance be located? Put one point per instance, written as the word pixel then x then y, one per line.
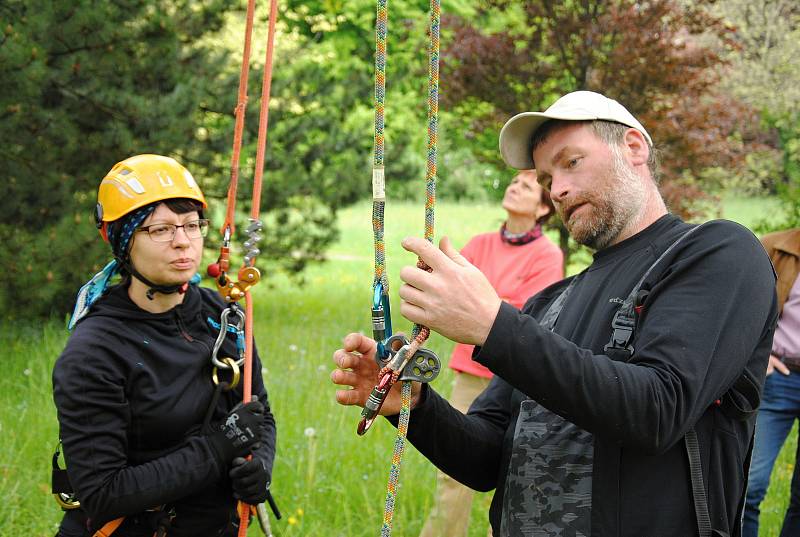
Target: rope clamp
pixel 234 291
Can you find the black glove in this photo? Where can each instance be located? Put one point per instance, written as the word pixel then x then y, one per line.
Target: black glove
pixel 250 480
pixel 238 433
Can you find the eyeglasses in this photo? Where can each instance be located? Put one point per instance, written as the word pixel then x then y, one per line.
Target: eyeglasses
pixel 166 232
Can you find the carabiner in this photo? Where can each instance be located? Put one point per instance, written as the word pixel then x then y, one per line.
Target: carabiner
pixel 224 327
pixel 381 320
pixel 230 364
pixel 60 485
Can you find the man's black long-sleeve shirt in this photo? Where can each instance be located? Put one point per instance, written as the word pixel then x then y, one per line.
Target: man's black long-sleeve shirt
pixel 708 319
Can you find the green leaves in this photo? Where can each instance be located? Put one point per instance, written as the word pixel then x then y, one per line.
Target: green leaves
pixel 90 83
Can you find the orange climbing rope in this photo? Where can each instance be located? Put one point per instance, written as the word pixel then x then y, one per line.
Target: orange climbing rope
pixel 241 108
pixel 254 217
pixel 248 274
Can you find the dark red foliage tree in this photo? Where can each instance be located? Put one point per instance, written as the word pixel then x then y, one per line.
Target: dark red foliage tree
pixel 660 58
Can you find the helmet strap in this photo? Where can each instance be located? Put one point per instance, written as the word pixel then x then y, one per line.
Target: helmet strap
pixel 180 288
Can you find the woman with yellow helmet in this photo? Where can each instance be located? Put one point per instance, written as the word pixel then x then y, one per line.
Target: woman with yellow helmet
pixel 147 436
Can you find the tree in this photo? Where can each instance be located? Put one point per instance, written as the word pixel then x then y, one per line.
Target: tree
pixel 651 56
pixel 329 80
pixel 764 72
pixel 86 84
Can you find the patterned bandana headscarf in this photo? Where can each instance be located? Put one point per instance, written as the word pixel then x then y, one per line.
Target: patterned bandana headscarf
pixel 119 236
pixel 518 239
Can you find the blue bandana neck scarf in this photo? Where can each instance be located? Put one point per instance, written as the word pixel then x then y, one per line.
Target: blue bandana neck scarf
pixel 518 239
pixel 119 237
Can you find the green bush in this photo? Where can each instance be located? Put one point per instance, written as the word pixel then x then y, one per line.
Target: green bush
pixel 43 267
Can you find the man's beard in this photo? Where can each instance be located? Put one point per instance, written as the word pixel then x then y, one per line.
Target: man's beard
pixel 611 208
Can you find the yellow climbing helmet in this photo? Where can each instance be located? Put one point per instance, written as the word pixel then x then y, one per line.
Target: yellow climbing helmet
pixel 141 180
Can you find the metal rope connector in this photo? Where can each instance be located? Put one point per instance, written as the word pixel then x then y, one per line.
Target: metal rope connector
pixel 234 291
pixel 406 362
pixel 381 321
pixel 226 325
pixel 249 275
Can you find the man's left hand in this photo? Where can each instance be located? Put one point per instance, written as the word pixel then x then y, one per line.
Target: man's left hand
pixel 455 299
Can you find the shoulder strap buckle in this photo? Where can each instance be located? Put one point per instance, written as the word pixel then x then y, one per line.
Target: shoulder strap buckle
pixel 621 339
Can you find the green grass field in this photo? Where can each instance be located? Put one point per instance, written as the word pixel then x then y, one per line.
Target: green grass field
pixel 327 481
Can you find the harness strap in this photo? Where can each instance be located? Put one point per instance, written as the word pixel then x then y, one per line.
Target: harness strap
pixel 622 326
pixel 742 400
pixel 698 485
pixel 109 527
pixel 550 317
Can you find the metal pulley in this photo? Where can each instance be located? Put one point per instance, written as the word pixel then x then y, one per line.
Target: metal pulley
pixel 234 291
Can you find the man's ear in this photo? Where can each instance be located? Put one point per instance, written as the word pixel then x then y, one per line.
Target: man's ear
pixel 637 149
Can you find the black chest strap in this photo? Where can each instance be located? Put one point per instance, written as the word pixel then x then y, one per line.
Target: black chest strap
pixel 620 346
pixel 734 403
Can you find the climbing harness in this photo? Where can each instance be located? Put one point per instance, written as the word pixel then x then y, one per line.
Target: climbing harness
pixel 397 357
pixel 248 275
pixel 66 499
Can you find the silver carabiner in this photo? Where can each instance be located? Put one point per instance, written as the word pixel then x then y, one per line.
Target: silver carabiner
pixel 223 330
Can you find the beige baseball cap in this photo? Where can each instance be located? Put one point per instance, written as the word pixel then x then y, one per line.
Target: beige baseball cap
pixel 516 134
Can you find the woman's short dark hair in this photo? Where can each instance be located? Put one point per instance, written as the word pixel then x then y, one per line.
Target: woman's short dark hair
pixel 183 206
pixel 547 202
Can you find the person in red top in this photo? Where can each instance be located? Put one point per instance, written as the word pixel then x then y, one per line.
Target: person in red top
pixel 519 261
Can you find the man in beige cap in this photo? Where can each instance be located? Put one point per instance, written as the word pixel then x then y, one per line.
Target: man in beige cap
pixel 623 397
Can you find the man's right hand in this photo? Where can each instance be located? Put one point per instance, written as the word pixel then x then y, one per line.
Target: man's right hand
pixel 358 369
pixel 775 363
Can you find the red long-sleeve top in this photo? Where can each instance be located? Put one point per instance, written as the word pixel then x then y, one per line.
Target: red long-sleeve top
pixel 517 272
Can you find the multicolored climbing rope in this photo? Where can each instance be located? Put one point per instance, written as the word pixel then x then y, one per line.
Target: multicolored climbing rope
pixel 381 315
pixel 433 117
pixel 378 176
pixel 397 458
